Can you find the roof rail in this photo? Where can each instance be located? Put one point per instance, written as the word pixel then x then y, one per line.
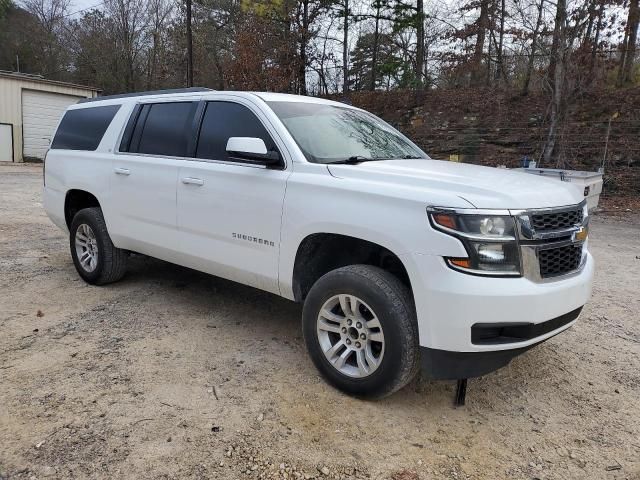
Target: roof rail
pixel 151 92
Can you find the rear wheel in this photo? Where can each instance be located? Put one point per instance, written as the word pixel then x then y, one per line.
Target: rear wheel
pixel 95 257
pixel 360 328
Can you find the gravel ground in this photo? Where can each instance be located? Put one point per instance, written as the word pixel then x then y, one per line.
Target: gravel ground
pixel 171 373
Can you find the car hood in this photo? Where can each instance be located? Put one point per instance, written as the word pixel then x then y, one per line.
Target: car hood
pixel 483 187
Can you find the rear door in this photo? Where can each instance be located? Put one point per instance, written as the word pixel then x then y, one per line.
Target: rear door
pixel 229 212
pixel 144 177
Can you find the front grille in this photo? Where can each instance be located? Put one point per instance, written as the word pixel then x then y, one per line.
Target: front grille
pixel 542 222
pixel 560 260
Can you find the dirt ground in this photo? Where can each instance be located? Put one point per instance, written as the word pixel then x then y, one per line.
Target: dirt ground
pixel 171 373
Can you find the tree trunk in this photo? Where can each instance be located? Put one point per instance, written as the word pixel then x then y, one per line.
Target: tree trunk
pixel 596 40
pixel 483 20
pixel 189 47
pixel 488 79
pixel 345 49
pixel 302 73
pixel 374 54
pixel 420 45
pixel 629 52
pixel 592 15
pixel 558 58
pixel 500 67
pixel 593 44
pixel 532 56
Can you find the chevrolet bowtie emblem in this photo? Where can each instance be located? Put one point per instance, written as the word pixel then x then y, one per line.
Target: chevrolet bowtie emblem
pixel 581 235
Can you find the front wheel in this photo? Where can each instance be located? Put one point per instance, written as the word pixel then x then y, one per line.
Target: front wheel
pixel 361 332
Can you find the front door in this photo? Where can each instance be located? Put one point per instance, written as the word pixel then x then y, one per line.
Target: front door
pixel 229 213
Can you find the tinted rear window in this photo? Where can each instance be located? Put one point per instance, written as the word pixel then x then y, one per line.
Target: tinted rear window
pixel 164 129
pixel 82 129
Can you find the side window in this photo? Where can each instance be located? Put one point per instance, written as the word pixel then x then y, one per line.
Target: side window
pixel 83 128
pixel 223 120
pixel 163 129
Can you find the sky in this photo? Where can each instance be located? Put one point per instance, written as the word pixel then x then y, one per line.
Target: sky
pixel 81 5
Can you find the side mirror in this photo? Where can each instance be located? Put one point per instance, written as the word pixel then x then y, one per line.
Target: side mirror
pixel 252 150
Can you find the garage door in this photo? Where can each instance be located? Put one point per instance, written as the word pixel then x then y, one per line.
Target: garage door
pixel 41 112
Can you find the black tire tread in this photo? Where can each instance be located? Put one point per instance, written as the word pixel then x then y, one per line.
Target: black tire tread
pixel 114 259
pixel 399 295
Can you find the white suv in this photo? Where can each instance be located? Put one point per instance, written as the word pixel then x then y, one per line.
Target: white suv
pixel 401 261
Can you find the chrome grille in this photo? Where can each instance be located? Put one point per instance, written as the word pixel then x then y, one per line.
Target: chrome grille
pixel 548 244
pixel 560 260
pixel 556 220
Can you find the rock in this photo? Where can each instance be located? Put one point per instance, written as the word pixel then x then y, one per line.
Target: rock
pixel 260 417
pixel 324 470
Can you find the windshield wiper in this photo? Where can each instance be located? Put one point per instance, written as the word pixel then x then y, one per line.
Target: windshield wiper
pixel 354 160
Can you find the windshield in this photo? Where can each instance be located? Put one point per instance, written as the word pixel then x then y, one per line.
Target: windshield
pixel 329 134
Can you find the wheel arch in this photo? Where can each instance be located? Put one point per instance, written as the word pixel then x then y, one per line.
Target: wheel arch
pixel 75 200
pixel 319 253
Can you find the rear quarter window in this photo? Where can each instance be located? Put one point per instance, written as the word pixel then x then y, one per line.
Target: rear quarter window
pixel 83 129
pixel 162 129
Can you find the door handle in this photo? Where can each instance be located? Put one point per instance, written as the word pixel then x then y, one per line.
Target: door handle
pixel 122 171
pixel 193 181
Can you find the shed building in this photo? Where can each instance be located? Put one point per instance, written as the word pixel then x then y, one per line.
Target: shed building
pixel 30 109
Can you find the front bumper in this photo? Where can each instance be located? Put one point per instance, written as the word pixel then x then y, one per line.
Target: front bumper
pixel 448 365
pixel 450 303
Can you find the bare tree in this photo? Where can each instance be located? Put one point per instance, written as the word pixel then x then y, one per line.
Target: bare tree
pixel 557 71
pixel 345 46
pixel 159 12
pixel 478 52
pixel 50 15
pixel 500 64
pixel 130 22
pixel 627 58
pixel 532 53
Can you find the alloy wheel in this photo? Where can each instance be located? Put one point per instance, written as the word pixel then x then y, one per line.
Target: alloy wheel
pixel 86 247
pixel 350 335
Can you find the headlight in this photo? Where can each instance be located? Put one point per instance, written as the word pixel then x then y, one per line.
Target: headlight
pixel 490 241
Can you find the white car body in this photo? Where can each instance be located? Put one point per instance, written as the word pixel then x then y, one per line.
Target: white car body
pixel 246 222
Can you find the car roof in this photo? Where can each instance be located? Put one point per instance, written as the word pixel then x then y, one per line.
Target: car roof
pixel 204 93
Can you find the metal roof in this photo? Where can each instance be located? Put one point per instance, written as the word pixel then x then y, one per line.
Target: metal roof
pixel 40 79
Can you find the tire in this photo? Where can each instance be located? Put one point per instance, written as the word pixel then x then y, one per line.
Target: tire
pixel 110 263
pixel 392 358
